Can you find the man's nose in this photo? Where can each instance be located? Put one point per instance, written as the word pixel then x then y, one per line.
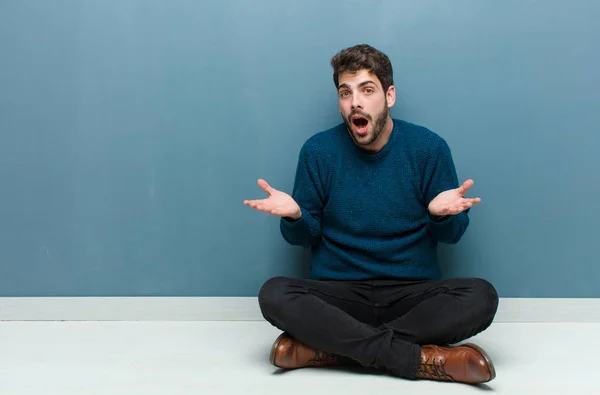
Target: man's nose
pixel 356 103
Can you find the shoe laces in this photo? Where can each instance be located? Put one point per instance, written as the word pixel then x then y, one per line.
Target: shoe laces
pixel 433 369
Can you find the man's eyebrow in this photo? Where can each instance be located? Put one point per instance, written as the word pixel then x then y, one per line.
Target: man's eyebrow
pixel 365 83
pixel 359 85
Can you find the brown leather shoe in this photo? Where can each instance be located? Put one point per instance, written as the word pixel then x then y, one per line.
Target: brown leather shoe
pixel 290 353
pixel 466 363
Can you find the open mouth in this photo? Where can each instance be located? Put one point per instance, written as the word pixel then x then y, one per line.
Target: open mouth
pixel 360 124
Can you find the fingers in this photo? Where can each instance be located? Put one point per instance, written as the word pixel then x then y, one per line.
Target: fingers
pixel 474 201
pixel 465 204
pixel 260 205
pixel 263 205
pixel 265 186
pixel 465 187
pixel 458 207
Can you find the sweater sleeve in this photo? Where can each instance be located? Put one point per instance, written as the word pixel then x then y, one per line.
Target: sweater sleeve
pixel 309 195
pixel 440 175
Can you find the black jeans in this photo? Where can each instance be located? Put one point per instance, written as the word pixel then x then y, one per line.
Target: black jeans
pixel 379 323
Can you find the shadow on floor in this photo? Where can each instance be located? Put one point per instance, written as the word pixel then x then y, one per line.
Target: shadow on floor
pixel 370 371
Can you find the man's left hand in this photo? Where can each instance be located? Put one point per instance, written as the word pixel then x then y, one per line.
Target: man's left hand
pixel 452 202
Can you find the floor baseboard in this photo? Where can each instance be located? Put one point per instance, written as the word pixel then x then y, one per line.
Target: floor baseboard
pixel 517 310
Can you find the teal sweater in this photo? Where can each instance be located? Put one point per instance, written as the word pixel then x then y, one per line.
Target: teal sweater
pixel 364 215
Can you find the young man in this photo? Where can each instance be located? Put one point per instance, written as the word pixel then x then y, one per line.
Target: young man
pixel 372 198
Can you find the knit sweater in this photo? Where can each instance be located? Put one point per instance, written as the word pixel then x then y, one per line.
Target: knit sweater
pixel 364 215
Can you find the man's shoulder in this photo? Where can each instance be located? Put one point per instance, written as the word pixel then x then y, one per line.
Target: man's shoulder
pixel 324 141
pixel 419 134
pixel 328 136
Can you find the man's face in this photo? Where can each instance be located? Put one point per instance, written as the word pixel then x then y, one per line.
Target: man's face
pixel 364 105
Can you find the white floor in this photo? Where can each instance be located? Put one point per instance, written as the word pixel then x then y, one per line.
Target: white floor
pixel 232 358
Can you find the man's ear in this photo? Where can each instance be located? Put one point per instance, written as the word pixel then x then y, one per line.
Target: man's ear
pixel 391 96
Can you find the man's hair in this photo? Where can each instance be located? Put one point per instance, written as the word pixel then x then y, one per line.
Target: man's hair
pixel 361 57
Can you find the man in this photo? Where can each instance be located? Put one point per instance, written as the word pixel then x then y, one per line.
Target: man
pixel 372 198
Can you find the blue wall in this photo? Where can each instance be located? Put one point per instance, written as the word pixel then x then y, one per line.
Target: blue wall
pixel 132 130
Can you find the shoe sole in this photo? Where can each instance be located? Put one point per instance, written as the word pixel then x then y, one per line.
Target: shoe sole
pixel 274 348
pixel 486 357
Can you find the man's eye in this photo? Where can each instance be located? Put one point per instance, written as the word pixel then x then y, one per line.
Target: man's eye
pixel 344 94
pixel 369 90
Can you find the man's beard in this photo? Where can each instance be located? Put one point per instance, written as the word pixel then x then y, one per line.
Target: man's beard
pixel 378 126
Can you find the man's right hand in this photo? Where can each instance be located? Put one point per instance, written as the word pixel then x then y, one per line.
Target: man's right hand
pixel 278 203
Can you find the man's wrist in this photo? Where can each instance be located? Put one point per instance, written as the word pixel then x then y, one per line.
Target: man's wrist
pixel 295 217
pixel 438 218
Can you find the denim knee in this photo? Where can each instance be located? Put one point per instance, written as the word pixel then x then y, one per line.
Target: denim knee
pixel 271 293
pixel 486 297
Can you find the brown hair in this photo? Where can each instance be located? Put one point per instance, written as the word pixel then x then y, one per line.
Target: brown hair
pixel 360 57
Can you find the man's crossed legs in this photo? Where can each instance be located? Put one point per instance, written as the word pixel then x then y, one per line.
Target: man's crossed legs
pixel 401 326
